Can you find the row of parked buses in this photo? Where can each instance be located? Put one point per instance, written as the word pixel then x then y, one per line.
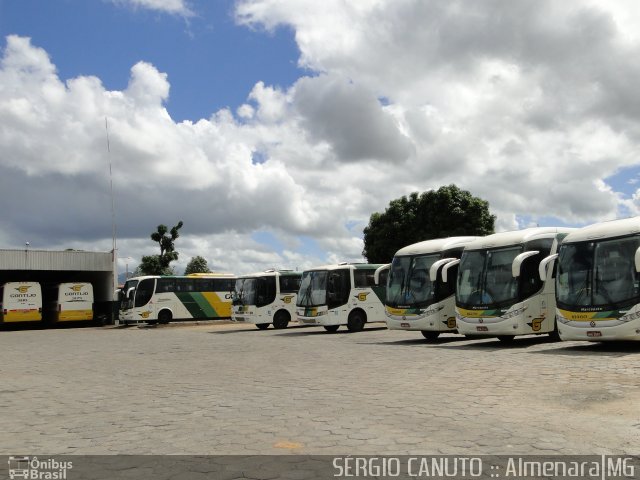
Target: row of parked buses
pixel 573 284
pixel 35 302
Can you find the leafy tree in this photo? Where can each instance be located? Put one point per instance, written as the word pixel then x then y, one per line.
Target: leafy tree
pixel 197 264
pixel 445 212
pixel 159 264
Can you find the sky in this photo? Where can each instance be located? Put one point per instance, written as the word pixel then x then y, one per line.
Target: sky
pixel 274 128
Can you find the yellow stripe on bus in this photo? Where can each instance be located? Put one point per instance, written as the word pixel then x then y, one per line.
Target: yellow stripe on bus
pixel 74 315
pixel 222 307
pixel 22 316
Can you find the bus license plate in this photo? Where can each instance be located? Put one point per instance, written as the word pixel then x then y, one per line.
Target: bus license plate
pixel 482 329
pixel 405 325
pixel 594 333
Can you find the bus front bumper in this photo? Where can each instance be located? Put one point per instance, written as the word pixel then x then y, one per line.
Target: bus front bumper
pixel 598 331
pixel 492 326
pixel 422 324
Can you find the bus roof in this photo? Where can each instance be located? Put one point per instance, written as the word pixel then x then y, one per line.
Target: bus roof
pixel 352 266
pixel 435 245
pixel 193 275
pixel 208 275
pixel 272 273
pixel 516 237
pixel 610 229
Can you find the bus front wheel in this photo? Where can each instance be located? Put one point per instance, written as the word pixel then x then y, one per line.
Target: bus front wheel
pixel 280 320
pixel 164 317
pixel 356 321
pixel 431 336
pixel 554 335
pixel 506 338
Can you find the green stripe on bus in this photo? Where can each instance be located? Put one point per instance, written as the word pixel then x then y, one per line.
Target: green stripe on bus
pixel 205 306
pixel 197 305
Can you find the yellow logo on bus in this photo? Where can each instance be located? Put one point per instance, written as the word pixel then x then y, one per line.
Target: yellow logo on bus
pixel 145 314
pixel 536 324
pixel 362 296
pixel 451 322
pixel 76 288
pixel 287 298
pixel 23 288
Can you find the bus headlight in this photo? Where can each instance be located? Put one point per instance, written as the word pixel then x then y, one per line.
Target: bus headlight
pixel 513 313
pixel 630 317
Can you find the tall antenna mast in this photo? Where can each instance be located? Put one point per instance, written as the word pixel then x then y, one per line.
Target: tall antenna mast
pixel 113 209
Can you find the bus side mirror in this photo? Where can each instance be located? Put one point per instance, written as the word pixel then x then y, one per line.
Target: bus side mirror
pixel 452 263
pixel 379 271
pixel 542 268
pixel 433 271
pixel 517 262
pixel 637 260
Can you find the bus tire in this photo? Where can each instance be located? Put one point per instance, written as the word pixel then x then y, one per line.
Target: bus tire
pixel 431 336
pixel 506 338
pixel 331 328
pixel 164 317
pixel 356 321
pixel 280 320
pixel 262 326
pixel 554 335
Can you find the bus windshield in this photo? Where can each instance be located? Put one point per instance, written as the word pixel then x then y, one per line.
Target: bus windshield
pixel 245 291
pixel 127 296
pixel 485 278
pixel 409 284
pixel 313 289
pixel 598 274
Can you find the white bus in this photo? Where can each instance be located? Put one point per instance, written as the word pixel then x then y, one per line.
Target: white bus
pixel 421 286
pixel 598 284
pixel 341 294
pixel 266 298
pixel 160 299
pixel 68 302
pixel 499 290
pixel 21 302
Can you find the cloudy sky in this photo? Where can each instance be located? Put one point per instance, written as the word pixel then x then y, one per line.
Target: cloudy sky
pixel 274 128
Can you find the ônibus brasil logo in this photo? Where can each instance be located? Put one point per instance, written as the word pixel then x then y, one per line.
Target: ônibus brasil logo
pixel 34 469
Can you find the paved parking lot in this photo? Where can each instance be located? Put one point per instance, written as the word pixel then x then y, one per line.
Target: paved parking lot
pixel 232 389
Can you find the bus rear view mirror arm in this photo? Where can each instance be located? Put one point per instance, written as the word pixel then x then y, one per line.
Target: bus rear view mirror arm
pixel 517 262
pixel 433 271
pixel 447 267
pixel 542 268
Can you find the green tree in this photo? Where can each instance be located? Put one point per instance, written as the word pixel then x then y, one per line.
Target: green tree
pixel 445 212
pixel 197 264
pixel 160 264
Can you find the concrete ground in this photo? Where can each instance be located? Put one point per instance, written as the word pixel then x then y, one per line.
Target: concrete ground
pixel 214 388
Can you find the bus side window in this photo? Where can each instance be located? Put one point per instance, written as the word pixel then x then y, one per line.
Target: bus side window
pixel 363 278
pixel 165 285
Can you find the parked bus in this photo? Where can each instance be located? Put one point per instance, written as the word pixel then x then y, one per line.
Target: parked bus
pixel 342 294
pixel 67 302
pixel 266 298
pixel 499 290
pixel 421 286
pixel 21 302
pixel 598 284
pixel 160 299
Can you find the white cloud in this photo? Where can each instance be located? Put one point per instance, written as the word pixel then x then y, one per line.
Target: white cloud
pixel 530 105
pixel 174 7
